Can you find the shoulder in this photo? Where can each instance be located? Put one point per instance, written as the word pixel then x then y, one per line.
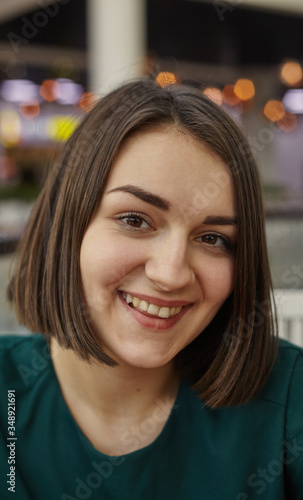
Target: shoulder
pixel 287 371
pixel 18 346
pixel 284 387
pixel 289 350
pixel 289 358
pixel 22 357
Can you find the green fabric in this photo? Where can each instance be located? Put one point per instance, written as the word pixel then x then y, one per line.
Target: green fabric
pixel 254 451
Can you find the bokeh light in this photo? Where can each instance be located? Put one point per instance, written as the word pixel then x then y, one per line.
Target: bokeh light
pixel 288 123
pixel 244 89
pixel 65 67
pixel 17 91
pixel 291 73
pixel 10 128
pixel 214 94
pixel 70 92
pixel 61 127
pixel 229 96
pixel 88 101
pixel 274 110
pixel 164 78
pixel 50 90
pixel 29 109
pixel 293 101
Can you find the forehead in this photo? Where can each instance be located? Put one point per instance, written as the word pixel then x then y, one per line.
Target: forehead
pixel 176 166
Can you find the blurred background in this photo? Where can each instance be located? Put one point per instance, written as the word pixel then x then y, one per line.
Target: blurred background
pixel 57 57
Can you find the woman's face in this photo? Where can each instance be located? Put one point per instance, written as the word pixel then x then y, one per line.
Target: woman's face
pixel 157 260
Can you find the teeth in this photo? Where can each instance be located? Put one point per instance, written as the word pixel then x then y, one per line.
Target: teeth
pixel 152 309
pixel 164 312
pixel 136 302
pixel 143 305
pixel 128 298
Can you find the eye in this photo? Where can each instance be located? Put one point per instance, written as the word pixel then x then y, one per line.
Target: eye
pixel 213 239
pixel 216 240
pixel 134 221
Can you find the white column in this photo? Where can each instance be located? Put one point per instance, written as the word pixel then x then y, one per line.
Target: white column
pixel 116 42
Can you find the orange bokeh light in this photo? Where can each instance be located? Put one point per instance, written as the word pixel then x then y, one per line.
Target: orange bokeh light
pixel 164 78
pixel 229 96
pixel 29 109
pixel 244 89
pixel 50 90
pixel 291 73
pixel 288 123
pixel 88 101
pixel 274 110
pixel 214 94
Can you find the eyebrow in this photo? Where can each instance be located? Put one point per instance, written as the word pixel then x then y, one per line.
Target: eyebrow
pixel 157 201
pixel 143 195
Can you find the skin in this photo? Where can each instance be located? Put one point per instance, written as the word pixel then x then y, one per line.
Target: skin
pixel 173 253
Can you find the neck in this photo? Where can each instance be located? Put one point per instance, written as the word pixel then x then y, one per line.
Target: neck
pixel 110 391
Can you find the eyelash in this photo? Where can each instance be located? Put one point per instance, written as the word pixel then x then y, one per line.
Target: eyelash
pixel 226 245
pixel 133 215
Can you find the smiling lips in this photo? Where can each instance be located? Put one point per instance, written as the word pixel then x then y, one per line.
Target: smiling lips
pixel 152 309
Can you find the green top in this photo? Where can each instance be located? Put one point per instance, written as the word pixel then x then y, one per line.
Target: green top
pixel 248 452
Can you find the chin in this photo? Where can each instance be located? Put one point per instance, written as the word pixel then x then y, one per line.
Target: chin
pixel 143 361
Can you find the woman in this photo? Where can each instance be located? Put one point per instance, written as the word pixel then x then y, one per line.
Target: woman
pixel 144 266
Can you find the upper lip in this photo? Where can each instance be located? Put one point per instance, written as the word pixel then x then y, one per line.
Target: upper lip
pixel 158 302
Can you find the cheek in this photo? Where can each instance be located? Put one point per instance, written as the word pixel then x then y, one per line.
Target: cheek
pixel 106 266
pixel 107 261
pixel 218 279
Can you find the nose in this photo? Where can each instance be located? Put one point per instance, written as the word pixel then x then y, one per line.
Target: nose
pixel 169 266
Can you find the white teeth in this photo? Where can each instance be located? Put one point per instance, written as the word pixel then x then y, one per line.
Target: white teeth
pixel 128 298
pixel 164 312
pixel 174 310
pixel 152 309
pixel 136 302
pixel 143 305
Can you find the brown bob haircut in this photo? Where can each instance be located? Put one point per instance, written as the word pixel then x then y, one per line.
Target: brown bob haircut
pixel 229 362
